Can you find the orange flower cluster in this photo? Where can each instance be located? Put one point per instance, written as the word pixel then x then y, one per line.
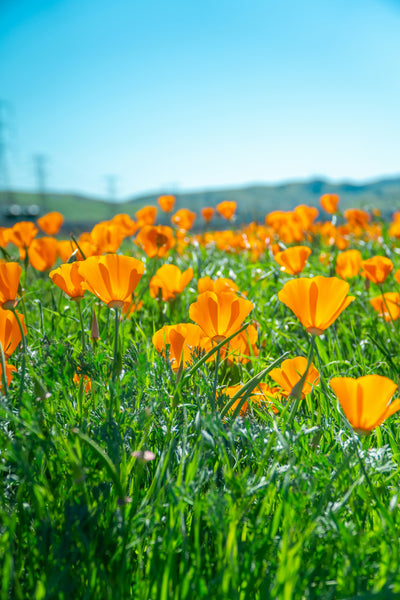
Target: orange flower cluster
pixel 217 313
pixel 112 278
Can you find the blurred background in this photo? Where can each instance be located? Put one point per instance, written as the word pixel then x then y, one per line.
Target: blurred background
pixel 106 105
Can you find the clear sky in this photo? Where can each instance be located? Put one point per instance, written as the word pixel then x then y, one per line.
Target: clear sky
pixel 186 94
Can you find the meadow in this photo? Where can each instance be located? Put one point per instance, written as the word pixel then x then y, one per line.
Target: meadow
pixel 211 415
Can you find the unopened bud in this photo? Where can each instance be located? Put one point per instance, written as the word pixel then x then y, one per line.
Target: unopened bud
pixel 94 328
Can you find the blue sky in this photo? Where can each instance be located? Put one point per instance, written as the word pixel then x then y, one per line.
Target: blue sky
pixel 179 95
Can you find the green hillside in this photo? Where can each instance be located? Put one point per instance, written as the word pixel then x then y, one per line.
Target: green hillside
pixel 254 202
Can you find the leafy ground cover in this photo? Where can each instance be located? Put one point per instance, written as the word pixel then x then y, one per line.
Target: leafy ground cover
pixel 130 469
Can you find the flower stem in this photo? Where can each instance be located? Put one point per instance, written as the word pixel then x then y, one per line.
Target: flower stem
pixel 214 391
pixel 24 352
pixel 4 372
pixel 82 326
pixel 298 388
pixel 115 358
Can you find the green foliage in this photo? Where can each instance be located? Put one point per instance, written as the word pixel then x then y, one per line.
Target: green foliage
pixel 249 508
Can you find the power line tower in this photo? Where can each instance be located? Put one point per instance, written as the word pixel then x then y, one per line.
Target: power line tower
pixel 111 182
pixel 40 172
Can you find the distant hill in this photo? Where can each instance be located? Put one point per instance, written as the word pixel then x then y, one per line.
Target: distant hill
pixel 254 202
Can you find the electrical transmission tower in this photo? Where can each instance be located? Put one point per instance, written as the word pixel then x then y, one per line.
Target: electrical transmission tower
pixel 40 172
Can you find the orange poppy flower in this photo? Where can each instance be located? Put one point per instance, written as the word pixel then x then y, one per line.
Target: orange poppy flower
pixel 377 268
pixel 10 334
pixel 365 400
pixel 87 382
pixel 184 219
pixel 207 213
pixel 69 279
pixel 294 259
pixel 131 306
pixel 146 216
pixel 220 315
pixel 182 339
pixel 166 203
pixel 112 278
pixel 170 280
pixel 65 249
pixel 155 240
pixel 397 275
pixel 51 223
pixel 329 203
pixel 43 253
pixel 107 237
pixel 227 208
pixel 10 273
pixel 306 215
pixel 316 302
pixel 230 391
pixel 387 305
pixel 22 234
pixel 348 264
pixel 291 371
pixel 242 347
pixel 264 394
pixel 127 225
pixel 357 217
pixel 222 284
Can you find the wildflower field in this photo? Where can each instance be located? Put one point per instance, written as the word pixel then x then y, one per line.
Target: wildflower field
pixel 201 415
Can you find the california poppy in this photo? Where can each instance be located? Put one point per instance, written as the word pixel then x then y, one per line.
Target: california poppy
pixel 10 273
pixel 227 209
pixel 221 284
pixel 10 334
pixel 365 400
pixel 107 236
pixel 184 219
pixel 155 240
pixel 65 249
pixel 348 264
pixel 86 383
pixel 22 234
pixel 51 222
pixel 181 340
pixel 306 215
pixel 357 217
pixel 207 213
pixel 112 278
pixel 293 259
pixel 242 347
pixel 229 392
pixel 220 315
pixel 291 371
pixel 166 202
pixel 146 216
pixel 265 395
pixel 329 203
pixel 387 305
pixel 397 275
pixel 377 268
pixel 126 224
pixel 70 280
pixel 316 302
pixel 43 253
pixel 170 280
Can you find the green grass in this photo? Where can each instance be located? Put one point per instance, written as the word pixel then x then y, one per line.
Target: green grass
pixel 252 508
